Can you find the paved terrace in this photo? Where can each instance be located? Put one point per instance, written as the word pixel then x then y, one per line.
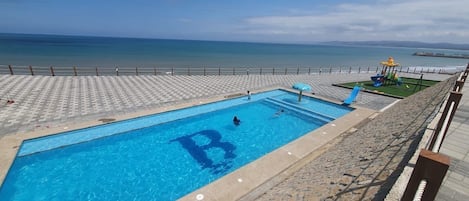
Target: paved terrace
pixel 45 101
pixel 49 102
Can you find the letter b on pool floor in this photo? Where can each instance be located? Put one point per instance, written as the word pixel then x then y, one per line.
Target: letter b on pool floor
pixel 200 152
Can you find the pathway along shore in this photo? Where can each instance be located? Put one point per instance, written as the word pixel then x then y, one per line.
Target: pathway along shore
pixel 365 164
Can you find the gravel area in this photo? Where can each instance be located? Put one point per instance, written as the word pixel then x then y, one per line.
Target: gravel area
pixel 364 165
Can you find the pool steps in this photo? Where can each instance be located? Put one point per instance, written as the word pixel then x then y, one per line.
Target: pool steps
pixel 300 110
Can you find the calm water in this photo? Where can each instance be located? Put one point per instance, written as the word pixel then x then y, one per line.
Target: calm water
pixel 160 162
pixel 47 50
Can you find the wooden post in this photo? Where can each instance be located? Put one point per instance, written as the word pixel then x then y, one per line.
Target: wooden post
pixel 11 70
pixel 97 74
pixel 431 167
pixel 52 71
pixel 31 70
pixel 453 99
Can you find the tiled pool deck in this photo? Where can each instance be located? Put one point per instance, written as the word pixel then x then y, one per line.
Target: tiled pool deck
pixel 47 105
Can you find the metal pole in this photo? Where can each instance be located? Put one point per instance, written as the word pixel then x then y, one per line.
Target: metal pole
pixel 31 70
pixel 11 70
pixel 52 71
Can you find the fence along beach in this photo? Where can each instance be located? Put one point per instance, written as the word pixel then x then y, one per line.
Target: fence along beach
pixel 205 71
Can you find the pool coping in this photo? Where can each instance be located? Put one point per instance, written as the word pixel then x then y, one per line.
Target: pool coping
pixel 228 187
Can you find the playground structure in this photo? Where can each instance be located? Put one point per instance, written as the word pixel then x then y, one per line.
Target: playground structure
pixel 388 74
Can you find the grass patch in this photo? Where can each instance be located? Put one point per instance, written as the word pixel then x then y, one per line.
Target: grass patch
pixel 407 88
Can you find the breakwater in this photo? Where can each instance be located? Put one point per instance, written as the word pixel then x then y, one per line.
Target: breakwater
pixel 431 54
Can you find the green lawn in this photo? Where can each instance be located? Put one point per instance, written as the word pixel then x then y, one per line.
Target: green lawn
pixel 407 88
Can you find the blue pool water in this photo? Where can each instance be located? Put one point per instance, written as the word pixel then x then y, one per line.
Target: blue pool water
pixel 166 156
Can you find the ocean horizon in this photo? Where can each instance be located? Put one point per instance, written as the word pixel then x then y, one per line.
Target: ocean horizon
pixel 111 52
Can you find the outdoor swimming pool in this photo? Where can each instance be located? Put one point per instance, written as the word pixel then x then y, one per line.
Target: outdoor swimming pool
pixel 162 156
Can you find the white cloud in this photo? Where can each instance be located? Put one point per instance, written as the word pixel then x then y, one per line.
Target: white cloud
pixel 420 20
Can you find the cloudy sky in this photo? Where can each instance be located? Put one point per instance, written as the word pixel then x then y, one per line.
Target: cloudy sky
pixel 300 21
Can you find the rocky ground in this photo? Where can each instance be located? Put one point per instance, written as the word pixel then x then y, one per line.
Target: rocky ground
pixel 365 164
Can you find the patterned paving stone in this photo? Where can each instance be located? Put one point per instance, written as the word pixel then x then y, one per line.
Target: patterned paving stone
pixel 48 100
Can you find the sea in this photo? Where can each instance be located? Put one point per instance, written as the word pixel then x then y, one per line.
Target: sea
pixel 111 52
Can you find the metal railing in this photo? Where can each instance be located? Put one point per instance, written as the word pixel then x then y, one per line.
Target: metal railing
pixel 431 166
pixel 206 71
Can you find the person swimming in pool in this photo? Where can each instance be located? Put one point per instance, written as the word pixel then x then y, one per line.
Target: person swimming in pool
pixel 278 113
pixel 236 121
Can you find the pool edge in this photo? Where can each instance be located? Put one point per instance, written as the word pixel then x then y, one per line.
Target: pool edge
pixel 11 144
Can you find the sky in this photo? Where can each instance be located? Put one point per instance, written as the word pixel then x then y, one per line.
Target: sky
pixel 282 21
